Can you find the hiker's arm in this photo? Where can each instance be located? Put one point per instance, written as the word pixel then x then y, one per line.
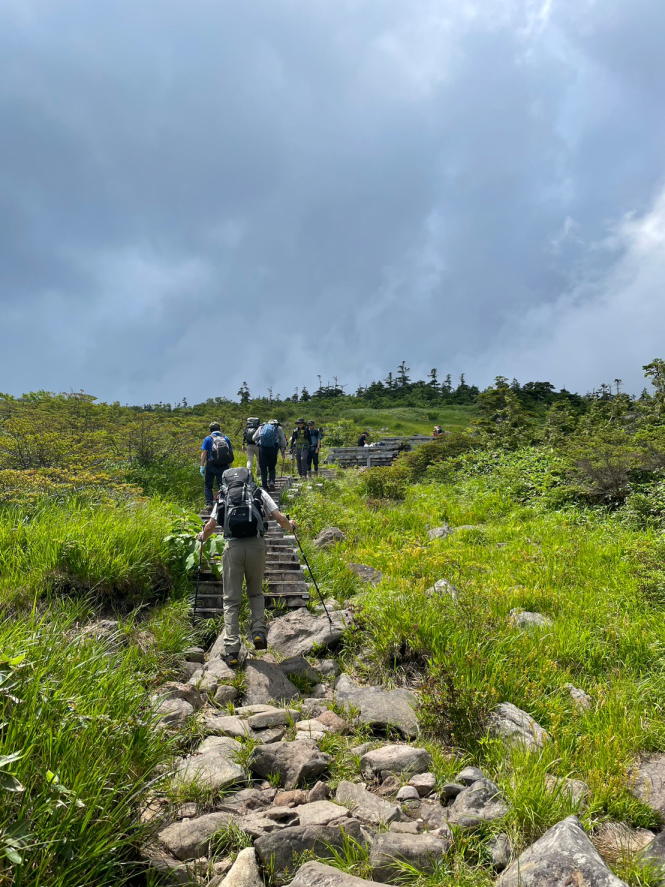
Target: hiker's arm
pixel 208 530
pixel 283 521
pixel 204 457
pixel 255 436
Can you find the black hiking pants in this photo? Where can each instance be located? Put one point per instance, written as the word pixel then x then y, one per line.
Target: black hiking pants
pixel 212 472
pixel 267 463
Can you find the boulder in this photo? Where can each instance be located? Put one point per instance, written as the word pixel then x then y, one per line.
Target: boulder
pixel 194 654
pixel 424 783
pixel 173 712
pixel 292 798
pixel 562 856
pixel 480 802
pixel 500 851
pixel 320 813
pixel 469 775
pixel 440 532
pixel 525 619
pixel 577 791
pixel 408 793
pixel 244 871
pixel 581 700
pixel 366 573
pixel 320 791
pixel 280 849
pixel 270 734
pixel 275 717
pixel 316 874
pixel 211 675
pixel 311 729
pixel 395 759
pixel 423 852
pixel 298 665
pixel 189 838
pixel 616 840
pixel 328 537
pixel 654 854
pixel 432 813
pixel 300 631
pixel 450 790
pixel 295 762
pixel 443 587
pixel 177 690
pixel 266 682
pixel 225 725
pixel 225 693
pixel 332 721
pixel 169 870
pixel 380 708
pixel 213 764
pixel 516 727
pixel 648 781
pixel 365 805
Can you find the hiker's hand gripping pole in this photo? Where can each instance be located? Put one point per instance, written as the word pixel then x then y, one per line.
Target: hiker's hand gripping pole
pixel 316 585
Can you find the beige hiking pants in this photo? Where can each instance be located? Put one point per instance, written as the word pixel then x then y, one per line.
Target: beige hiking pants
pixel 252 452
pixel 243 558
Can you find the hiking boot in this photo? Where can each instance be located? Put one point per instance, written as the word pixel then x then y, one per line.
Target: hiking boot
pixel 260 641
pixel 232 659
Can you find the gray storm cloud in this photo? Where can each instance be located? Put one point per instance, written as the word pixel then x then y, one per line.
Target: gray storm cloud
pixel 291 188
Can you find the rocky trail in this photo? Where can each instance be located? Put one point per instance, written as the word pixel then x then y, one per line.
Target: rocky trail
pixel 258 786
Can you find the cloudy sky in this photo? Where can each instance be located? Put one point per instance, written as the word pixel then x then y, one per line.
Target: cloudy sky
pixel 197 192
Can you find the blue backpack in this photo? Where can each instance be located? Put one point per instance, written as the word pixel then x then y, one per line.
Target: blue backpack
pixel 268 436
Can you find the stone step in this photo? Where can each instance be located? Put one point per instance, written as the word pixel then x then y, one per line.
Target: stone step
pixel 272 576
pixel 284 587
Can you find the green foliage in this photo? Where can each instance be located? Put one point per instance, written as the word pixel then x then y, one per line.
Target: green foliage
pixel 386 483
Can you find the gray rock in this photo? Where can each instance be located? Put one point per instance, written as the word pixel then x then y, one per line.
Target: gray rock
pixel 328 537
pixel 311 729
pixel 328 668
pixel 299 632
pixel 581 700
pixel 254 798
pixel 262 822
pixel 169 870
pixel 194 654
pixel 365 805
pixel 450 790
pixel 432 814
pixel 298 665
pixel 443 587
pixel 366 573
pixel 213 673
pixel 177 690
pixel 173 712
pixel 187 669
pixel 425 783
pixel 406 827
pixel 480 802
pixel 380 708
pixel 654 854
pixel 225 725
pixel 225 693
pixel 408 793
pixel 648 781
pixel 277 717
pixel 395 759
pixel 577 791
pixel 440 532
pixel 244 872
pixel 616 840
pixel 469 775
pixel 266 682
pixel 319 792
pixel 295 762
pixel 316 874
pixel 246 711
pixel 280 849
pixel 270 734
pixel 525 619
pixel 189 838
pixel 213 764
pixel 421 851
pixel 500 851
pixel 562 856
pixel 320 812
pixel 516 727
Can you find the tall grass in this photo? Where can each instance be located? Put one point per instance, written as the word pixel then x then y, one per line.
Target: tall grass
pixel 74 711
pixel 113 553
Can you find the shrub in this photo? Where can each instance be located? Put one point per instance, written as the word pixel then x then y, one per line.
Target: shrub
pixel 440 450
pixel 386 483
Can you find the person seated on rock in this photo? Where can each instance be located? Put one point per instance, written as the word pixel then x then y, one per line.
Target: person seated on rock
pixel 438 431
pixel 244 554
pixel 363 439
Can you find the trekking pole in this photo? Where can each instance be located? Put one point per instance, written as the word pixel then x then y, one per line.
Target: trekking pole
pixel 316 584
pixel 198 579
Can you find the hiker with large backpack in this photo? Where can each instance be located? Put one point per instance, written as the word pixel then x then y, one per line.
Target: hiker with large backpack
pixel 315 435
pixel 250 448
pixel 243 510
pixel 299 446
pixel 216 457
pixel 270 439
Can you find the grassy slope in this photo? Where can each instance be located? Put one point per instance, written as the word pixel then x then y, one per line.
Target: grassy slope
pixel 575 568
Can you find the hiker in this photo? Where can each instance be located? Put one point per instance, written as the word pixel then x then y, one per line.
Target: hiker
pixel 269 438
pixel 299 445
pixel 438 431
pixel 362 440
pixel 243 510
pixel 315 435
pixel 216 457
pixel 250 448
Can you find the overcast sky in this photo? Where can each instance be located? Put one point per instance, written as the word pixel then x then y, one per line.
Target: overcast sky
pixel 197 192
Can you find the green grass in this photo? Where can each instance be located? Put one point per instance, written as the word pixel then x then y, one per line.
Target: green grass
pixel 409 420
pixel 577 567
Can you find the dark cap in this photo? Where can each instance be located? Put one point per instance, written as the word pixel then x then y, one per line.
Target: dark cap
pixel 300 421
pixel 214 426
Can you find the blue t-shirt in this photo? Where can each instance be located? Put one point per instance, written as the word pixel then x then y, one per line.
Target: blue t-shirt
pixel 207 441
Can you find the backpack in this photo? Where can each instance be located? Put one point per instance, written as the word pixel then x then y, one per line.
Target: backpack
pixel 243 505
pixel 248 433
pixel 268 436
pixel 221 453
